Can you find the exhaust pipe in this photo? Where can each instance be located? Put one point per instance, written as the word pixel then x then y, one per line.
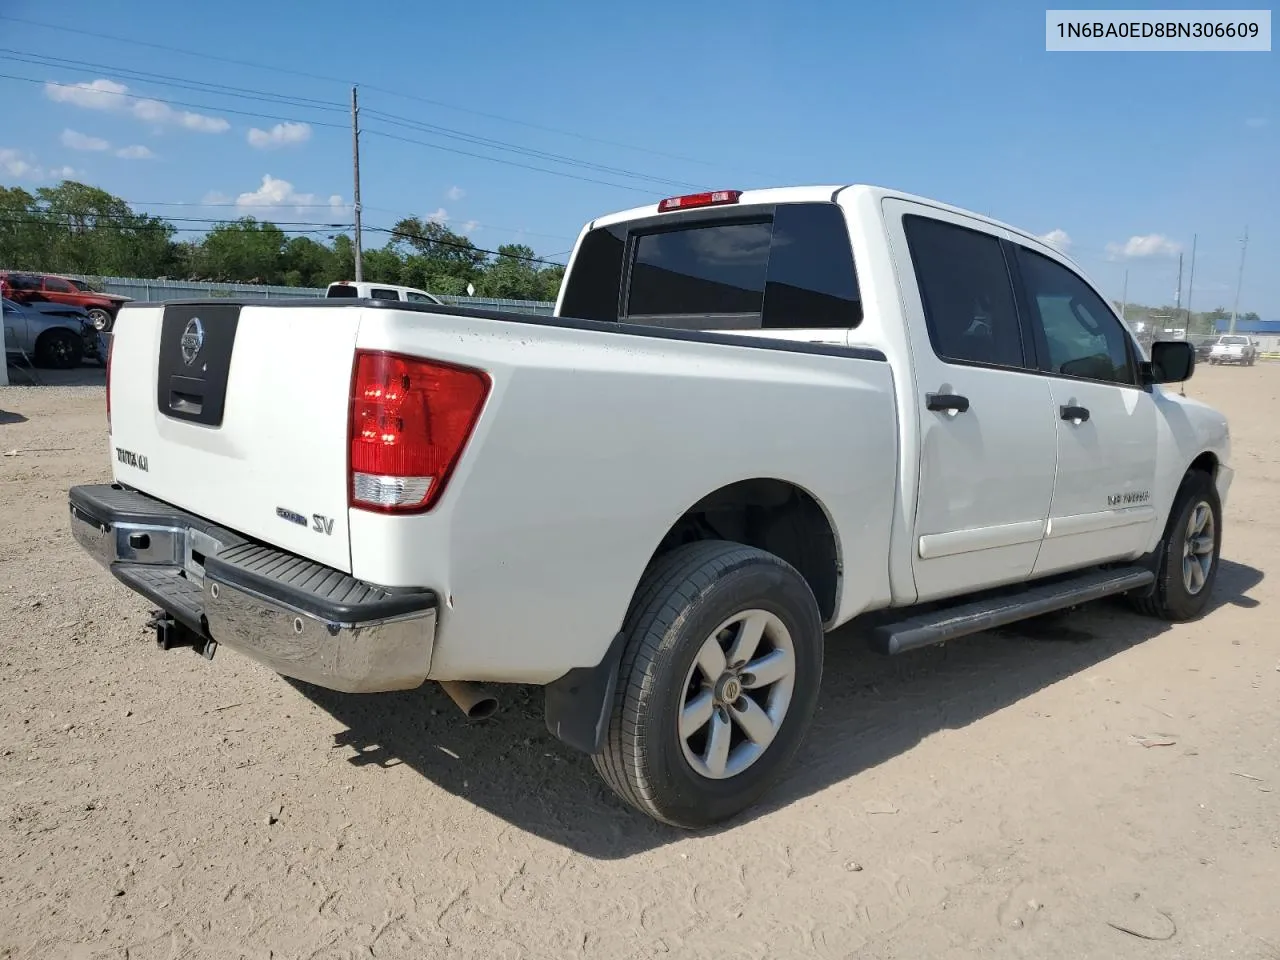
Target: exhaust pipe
pixel 477 701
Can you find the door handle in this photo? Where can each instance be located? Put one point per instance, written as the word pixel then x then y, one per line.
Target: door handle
pixel 951 403
pixel 1073 413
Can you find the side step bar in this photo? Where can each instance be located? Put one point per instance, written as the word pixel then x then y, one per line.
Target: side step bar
pixel 974 616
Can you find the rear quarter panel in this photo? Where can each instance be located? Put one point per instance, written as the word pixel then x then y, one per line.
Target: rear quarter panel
pixel 591 446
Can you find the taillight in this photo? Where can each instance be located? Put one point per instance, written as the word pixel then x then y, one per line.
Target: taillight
pixel 111 346
pixel 691 200
pixel 410 420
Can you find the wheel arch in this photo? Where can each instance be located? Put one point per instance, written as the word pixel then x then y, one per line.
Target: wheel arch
pixel 778 516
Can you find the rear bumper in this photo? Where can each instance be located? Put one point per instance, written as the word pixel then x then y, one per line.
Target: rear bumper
pixel 299 618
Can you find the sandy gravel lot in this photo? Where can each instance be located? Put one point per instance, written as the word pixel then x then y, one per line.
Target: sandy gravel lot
pixel 1062 790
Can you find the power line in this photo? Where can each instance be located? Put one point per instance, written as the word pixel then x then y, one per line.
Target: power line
pixel 347 81
pixel 246 93
pixel 180 103
pixel 325 206
pixel 525 151
pixel 457 245
pixel 321 123
pixel 201 86
pixel 140 227
pixel 510 163
pixel 104 221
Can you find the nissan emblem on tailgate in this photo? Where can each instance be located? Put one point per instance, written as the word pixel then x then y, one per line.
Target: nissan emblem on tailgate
pixel 192 340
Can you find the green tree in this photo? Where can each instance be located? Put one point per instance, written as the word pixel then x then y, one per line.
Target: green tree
pixel 513 274
pixel 245 251
pixel 307 263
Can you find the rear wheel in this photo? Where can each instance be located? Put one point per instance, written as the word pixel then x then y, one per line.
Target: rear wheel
pixel 718 683
pixel 1190 552
pixel 59 349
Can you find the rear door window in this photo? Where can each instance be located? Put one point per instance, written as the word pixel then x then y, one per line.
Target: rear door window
pixel 382 293
pixel 967 293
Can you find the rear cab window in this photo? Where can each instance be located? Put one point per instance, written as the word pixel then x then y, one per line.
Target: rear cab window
pixel 342 290
pixel 741 268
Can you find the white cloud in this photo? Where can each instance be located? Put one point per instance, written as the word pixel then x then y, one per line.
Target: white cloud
pixel 135 152
pixel 107 95
pixel 23 166
pixel 470 226
pixel 76 140
pixel 276 194
pixel 1150 245
pixel 440 216
pixel 95 95
pixel 1256 122
pixel 1057 238
pixel 455 193
pixel 282 134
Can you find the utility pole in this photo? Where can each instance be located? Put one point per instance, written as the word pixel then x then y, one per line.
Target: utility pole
pixel 1177 296
pixel 355 165
pixel 1124 297
pixel 1244 245
pixel 1191 282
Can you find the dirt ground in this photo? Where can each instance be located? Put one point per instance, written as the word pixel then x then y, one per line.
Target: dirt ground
pixel 1095 786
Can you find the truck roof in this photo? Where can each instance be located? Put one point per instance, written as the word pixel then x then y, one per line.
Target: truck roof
pixel 818 192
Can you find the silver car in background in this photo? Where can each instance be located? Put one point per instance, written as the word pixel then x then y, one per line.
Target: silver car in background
pixel 54 335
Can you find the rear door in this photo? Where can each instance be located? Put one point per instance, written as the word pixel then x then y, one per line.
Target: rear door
pixel 987 433
pixel 58 290
pixel 239 415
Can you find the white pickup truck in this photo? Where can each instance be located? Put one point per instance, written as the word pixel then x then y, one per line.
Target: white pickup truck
pixel 753 417
pixel 1230 348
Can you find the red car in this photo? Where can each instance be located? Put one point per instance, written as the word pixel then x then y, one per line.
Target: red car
pixel 26 287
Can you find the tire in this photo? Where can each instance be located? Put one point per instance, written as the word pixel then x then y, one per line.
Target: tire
pixel 682 601
pixel 59 350
pixel 1174 598
pixel 101 319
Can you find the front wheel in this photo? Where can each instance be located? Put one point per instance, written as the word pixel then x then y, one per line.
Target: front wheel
pixel 718 683
pixel 1190 551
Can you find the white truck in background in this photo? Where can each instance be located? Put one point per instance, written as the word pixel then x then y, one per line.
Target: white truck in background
pixel 1233 348
pixel 753 418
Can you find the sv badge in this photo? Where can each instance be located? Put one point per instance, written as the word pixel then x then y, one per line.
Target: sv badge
pixel 322 524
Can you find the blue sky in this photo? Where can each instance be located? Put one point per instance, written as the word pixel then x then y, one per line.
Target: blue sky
pixel 1127 154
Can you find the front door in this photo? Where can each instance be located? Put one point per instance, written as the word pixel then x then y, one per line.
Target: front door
pixel 1106 421
pixel 986 424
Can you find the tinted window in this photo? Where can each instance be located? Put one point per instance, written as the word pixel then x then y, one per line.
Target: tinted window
pixel 419 297
pixel 967 294
pixel 591 292
pixel 811 280
pixel 57 285
pixel 1083 337
pixel 342 290
pixel 381 293
pixel 711 269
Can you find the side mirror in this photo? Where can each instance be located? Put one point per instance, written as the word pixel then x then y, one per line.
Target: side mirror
pixel 1172 361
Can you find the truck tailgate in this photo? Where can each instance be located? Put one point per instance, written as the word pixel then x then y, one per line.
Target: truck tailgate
pixel 238 414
